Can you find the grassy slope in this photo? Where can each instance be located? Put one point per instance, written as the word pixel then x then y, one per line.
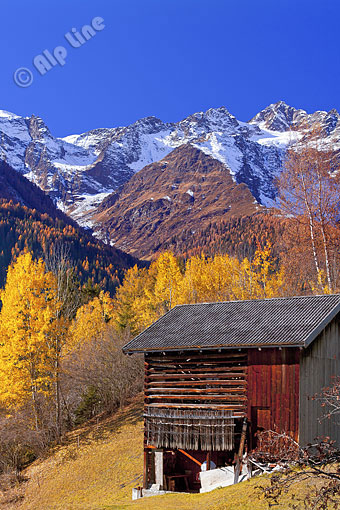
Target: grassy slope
pixel 100 473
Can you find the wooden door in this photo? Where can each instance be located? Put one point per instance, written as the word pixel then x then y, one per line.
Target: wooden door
pixel 260 421
pixel 263 419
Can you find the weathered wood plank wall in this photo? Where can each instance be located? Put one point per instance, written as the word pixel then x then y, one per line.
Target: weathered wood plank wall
pixel 273 389
pixel 320 362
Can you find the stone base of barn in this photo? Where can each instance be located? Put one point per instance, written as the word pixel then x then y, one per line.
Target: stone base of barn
pixel 138 492
pixel 220 477
pixel 209 480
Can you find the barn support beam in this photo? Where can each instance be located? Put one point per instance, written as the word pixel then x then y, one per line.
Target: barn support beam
pixel 208 460
pixel 145 470
pixel 190 457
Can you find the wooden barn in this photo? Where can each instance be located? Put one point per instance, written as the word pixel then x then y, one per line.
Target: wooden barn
pixel 209 366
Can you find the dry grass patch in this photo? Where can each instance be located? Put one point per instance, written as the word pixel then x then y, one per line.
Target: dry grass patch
pixel 97 466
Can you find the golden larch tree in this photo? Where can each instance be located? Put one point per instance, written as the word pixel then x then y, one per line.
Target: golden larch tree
pixel 29 302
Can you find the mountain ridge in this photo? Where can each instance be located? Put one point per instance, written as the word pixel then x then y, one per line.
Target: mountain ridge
pixel 77 171
pixel 80 171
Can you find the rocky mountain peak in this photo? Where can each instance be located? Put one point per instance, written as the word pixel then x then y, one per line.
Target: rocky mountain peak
pixel 331 121
pixel 214 119
pixel 148 125
pixel 37 128
pixel 279 117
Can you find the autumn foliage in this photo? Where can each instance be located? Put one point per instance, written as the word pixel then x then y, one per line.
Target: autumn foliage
pixel 148 293
pixel 26 350
pixel 60 355
pixel 45 325
pixel 309 196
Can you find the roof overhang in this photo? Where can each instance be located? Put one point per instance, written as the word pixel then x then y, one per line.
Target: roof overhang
pixel 213 348
pixel 327 320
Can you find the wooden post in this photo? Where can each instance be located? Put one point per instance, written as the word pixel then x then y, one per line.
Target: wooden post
pixel 145 470
pixel 208 460
pixel 240 450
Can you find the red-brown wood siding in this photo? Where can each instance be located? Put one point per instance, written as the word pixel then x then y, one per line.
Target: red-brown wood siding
pixel 273 389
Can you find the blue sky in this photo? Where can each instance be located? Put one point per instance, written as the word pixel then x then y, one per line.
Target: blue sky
pixel 169 58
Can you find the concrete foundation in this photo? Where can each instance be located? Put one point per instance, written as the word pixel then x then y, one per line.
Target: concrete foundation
pixel 159 471
pixel 220 477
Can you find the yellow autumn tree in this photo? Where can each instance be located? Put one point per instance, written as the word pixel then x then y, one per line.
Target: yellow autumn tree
pixel 146 294
pixel 91 319
pixel 246 285
pixel 208 279
pixel 130 303
pixel 223 278
pixel 193 285
pixel 167 282
pixel 222 272
pixel 29 302
pixel 269 281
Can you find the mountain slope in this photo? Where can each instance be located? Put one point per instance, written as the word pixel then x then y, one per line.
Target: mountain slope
pixel 184 190
pixel 30 220
pixel 237 236
pixel 79 171
pixel 15 187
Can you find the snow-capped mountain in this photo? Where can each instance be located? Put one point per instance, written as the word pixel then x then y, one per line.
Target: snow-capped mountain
pixel 79 171
pixel 280 117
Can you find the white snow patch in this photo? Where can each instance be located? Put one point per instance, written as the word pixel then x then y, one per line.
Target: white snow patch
pixel 276 138
pixel 8 115
pixel 266 201
pixel 223 148
pixel 154 147
pixel 71 169
pixel 85 205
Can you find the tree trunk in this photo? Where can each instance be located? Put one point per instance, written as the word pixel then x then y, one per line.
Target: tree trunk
pixel 325 247
pixel 323 230
pixel 311 229
pixel 35 407
pixel 57 399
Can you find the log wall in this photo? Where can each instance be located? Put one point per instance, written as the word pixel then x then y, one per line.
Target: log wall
pixel 194 380
pixel 262 384
pixel 193 398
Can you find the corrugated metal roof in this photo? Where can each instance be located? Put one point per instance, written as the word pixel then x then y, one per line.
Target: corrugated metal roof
pixel 263 322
